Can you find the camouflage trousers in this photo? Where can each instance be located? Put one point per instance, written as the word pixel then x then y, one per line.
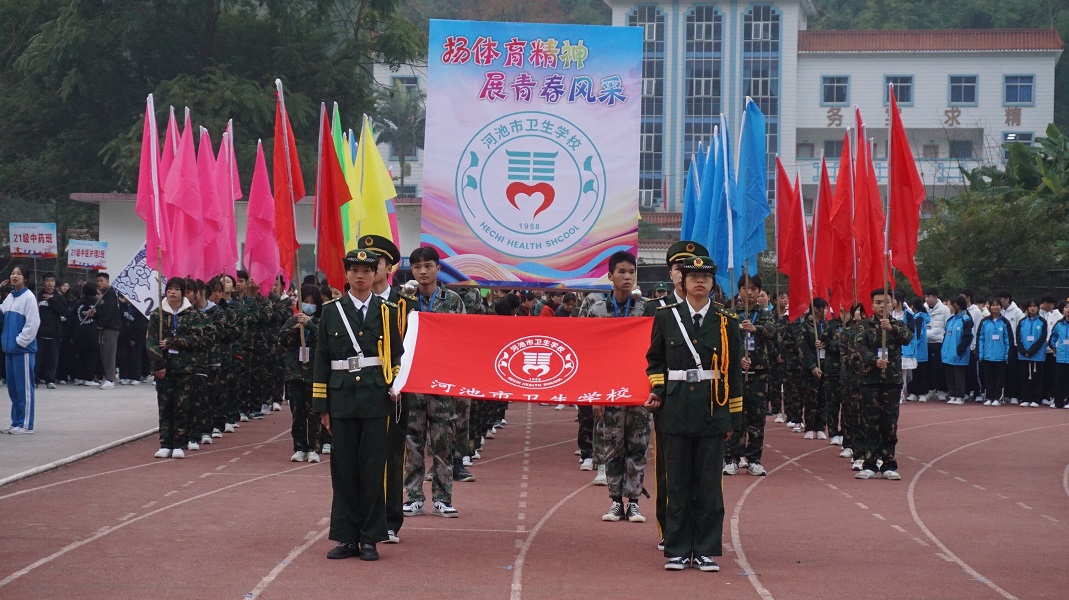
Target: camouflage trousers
pixel 851 413
pixel 750 442
pixel 305 425
pixel 622 444
pixel 585 436
pixel 230 379
pixel 265 374
pixel 431 427
pixel 200 409
pixel 879 427
pixel 792 395
pixel 776 378
pixel 480 421
pixel 216 398
pixel 462 437
pixel 833 402
pixel 174 395
pixel 813 401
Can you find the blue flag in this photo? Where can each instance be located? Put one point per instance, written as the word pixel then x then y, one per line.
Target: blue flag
pixel 752 185
pixel 702 231
pixel 722 241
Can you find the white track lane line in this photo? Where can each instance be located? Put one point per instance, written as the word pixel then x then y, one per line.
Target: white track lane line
pixel 517 568
pixel 950 556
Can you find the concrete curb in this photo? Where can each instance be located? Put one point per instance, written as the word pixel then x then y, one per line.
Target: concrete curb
pixel 76 457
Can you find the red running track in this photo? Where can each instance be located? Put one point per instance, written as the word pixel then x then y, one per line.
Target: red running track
pixel 982 512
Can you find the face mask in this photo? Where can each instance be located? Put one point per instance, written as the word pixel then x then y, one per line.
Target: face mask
pixel 308 309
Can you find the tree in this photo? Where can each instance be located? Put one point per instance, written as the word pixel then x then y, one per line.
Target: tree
pixel 403 116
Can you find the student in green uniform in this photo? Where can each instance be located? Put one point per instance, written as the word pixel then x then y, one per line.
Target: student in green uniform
pixel 694 364
pixel 357 356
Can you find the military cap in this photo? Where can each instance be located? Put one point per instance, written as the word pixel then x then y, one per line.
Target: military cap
pixel 661 287
pixel 684 249
pixel 361 257
pixel 697 264
pixel 382 245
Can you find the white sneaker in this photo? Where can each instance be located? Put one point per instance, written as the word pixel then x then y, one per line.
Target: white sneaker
pixel 731 468
pixel 124 382
pixel 466 461
pixel 229 428
pixel 809 435
pixel 107 385
pixel 891 475
pixel 790 424
pixel 911 398
pixel 559 407
pixel 413 509
pixel 587 464
pixel 856 466
pixel 1013 401
pixel 502 423
pixel 178 453
pixel 299 456
pixel 391 537
pixel 837 440
pixel 162 453
pixel 52 386
pixel 578 452
pixel 847 453
pixel 206 439
pixel 313 457
pixel 489 435
pixel 743 463
pixel 91 383
pixel 275 406
pixel 756 470
pixel 192 446
pixel 445 510
pixel 866 474
pixel 476 455
pixel 821 435
pixel 135 382
pixel 1034 405
pixel 996 403
pixel 325 449
pixel 779 418
pixel 987 403
pixel 79 382
pixel 216 433
pixel 243 418
pixel 797 429
pixel 600 478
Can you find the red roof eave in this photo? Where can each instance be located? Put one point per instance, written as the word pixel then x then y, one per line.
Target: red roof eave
pixel 930 40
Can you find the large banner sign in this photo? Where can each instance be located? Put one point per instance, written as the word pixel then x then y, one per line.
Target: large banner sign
pixel 532 151
pixel 562 361
pixel 33 240
pixel 84 254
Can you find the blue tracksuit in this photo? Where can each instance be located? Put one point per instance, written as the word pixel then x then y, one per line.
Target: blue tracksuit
pixel 1031 335
pixel 918 324
pixel 995 339
pixel 19 341
pixel 957 339
pixel 1059 342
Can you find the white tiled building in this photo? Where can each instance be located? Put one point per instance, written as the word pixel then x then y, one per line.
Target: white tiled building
pixel 962 93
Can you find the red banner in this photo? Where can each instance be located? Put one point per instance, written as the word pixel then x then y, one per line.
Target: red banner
pixel 562 361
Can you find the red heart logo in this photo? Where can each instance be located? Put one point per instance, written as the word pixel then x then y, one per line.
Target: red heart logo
pixel 518 187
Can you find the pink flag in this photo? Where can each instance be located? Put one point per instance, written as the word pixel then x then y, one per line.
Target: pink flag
pixel 261 249
pixel 211 216
pixel 170 146
pixel 148 206
pixel 182 193
pixel 228 189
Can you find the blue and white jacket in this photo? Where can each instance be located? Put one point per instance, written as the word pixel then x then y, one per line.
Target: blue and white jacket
pixel 995 339
pixel 957 339
pixel 1031 337
pixel 918 324
pixel 1059 341
pixel 21 322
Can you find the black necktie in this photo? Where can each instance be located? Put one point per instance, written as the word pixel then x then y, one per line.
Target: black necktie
pixel 697 321
pixel 360 314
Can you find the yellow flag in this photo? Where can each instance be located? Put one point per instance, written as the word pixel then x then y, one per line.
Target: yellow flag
pixel 374 186
pixel 352 211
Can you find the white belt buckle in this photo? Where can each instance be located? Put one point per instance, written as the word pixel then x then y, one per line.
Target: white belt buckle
pixel 354 364
pixel 694 375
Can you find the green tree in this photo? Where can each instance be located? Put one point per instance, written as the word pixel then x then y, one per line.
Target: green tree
pixel 403 118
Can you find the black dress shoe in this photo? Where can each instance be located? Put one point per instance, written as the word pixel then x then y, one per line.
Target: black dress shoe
pixel 368 552
pixel 344 550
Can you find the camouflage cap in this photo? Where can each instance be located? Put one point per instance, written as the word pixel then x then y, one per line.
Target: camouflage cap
pixel 382 245
pixel 361 257
pixel 684 249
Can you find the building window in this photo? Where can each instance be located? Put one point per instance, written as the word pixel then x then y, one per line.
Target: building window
pixel 761 74
pixel 406 191
pixel 1019 90
pixel 962 149
pixel 833 149
pixel 903 89
pixel 931 151
pixel 805 150
pixel 1010 138
pixel 651 139
pixel 702 83
pixel 835 90
pixel 410 152
pixel 409 81
pixel 963 90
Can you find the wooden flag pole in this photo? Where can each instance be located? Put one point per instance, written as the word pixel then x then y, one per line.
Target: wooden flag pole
pixel 292 200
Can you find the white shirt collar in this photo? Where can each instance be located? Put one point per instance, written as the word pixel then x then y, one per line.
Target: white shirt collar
pixel 679 299
pixel 385 295
pixel 360 306
pixel 702 312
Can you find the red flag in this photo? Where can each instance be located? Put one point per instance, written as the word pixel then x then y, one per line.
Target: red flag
pixel 332 193
pixel 181 191
pixel 148 206
pixel 868 217
pixel 905 195
pixel 227 190
pixel 799 253
pixel 261 249
pixel 843 264
pixel 289 187
pixel 784 205
pixel 823 236
pixel 211 216
pixel 573 357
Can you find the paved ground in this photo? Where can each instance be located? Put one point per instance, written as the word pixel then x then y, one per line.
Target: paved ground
pixel 982 512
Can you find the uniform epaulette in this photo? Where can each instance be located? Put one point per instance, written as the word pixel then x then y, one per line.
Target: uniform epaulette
pixel 727 312
pixel 388 303
pixel 673 305
pixel 331 301
pixel 407 297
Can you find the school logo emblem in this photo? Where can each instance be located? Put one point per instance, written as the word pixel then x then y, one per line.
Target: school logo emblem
pixel 530 184
pixel 536 362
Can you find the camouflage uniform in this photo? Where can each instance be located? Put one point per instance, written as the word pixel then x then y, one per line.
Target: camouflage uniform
pixel 793 374
pixel 184 379
pixel 880 391
pixel 832 368
pixel 749 442
pixel 432 422
pixel 215 388
pixel 850 389
pixel 298 378
pixel 622 437
pixel 777 357
pixel 281 310
pixel 231 358
pixel 812 388
pixel 263 358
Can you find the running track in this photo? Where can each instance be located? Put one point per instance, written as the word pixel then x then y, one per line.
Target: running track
pixel 982 512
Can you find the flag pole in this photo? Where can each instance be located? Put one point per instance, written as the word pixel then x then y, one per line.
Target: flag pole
pixel 887 214
pixel 727 204
pixel 319 179
pixel 230 160
pixel 775 231
pixel 154 160
pixel 293 201
pixel 808 266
